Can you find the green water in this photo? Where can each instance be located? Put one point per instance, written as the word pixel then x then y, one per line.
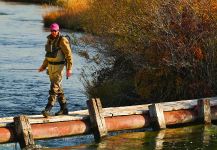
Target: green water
pixel 197 137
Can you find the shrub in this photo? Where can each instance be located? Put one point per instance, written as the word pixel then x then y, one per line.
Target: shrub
pixel 166 50
pixel 148 49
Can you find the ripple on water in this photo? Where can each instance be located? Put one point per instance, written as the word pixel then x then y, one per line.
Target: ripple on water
pixel 3 13
pixel 22 42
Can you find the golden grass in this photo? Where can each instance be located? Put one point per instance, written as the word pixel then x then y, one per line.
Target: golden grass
pixel 52 15
pixel 69 15
pixel 76 5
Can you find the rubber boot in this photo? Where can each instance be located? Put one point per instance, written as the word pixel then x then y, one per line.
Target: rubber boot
pixel 46 111
pixel 63 110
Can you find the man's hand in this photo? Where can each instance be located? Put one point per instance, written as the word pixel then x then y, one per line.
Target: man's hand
pixel 68 73
pixel 41 69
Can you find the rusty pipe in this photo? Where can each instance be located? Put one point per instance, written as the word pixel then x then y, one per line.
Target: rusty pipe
pixel 78 127
pixel 60 129
pixel 6 135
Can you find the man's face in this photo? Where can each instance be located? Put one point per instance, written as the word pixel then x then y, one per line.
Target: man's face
pixel 54 33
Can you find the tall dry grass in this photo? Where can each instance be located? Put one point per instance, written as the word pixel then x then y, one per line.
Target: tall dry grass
pixel 70 14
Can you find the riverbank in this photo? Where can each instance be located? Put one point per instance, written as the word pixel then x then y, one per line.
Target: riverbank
pixel 159 53
pixel 150 51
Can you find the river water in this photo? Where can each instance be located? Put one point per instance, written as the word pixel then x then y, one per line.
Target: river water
pixel 22 39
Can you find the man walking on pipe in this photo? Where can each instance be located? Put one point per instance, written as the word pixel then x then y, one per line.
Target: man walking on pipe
pixel 58 54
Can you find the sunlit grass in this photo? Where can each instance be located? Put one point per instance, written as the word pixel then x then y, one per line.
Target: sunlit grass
pixel 69 15
pixel 75 6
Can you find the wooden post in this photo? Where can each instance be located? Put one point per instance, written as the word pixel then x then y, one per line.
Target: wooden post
pixel 23 132
pixel 157 116
pixel 204 110
pixel 97 119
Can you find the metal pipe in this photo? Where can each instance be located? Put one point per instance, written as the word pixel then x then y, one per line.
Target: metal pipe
pixel 6 135
pixel 180 116
pixel 78 127
pixel 60 129
pixel 127 122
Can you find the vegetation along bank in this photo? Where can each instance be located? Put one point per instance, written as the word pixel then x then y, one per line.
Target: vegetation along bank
pixel 147 51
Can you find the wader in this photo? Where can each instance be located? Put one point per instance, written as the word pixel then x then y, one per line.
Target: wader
pixel 56 63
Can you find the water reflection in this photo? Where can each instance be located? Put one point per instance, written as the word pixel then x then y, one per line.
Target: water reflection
pixel 197 137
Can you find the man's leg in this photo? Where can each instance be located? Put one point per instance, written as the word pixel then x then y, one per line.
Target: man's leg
pixel 56 84
pixel 53 92
pixel 63 105
pixel 50 104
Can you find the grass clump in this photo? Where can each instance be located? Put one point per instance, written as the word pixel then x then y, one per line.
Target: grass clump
pixel 69 14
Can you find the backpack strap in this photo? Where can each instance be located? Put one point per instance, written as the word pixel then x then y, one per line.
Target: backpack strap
pixel 60 38
pixel 67 37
